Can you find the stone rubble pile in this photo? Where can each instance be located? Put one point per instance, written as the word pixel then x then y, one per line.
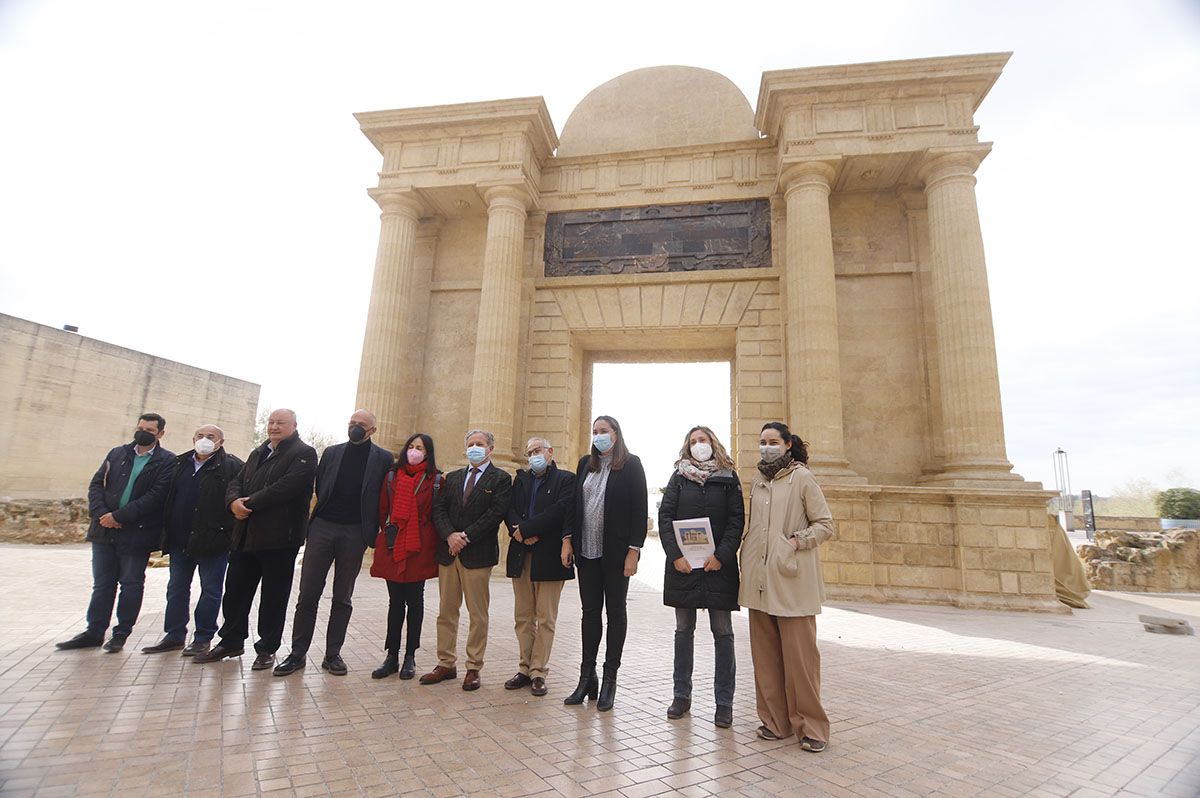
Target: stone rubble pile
pixel 1145 562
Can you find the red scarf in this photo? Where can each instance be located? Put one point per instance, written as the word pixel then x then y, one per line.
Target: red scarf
pixel 404 513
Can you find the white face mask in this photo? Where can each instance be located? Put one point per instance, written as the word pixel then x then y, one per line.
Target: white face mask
pixel 702 452
pixel 204 447
pixel 770 454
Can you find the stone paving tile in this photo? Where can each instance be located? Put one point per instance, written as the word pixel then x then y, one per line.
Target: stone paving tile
pixel 924 701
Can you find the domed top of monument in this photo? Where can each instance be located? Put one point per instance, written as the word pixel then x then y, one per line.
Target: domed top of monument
pixel 664 106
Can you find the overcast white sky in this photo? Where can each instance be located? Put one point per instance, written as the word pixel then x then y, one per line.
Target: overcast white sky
pixel 162 162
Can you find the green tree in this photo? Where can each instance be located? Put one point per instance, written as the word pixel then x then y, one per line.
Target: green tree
pixel 1178 503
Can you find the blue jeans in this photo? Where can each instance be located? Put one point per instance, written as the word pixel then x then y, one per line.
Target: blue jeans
pixel 721 623
pixel 179 595
pixel 110 569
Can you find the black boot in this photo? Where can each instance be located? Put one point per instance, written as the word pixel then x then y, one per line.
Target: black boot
pixel 608 691
pixel 409 668
pixel 391 664
pixel 587 687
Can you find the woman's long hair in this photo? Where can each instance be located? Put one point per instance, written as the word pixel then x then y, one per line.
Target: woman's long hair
pixel 796 447
pixel 430 461
pixel 724 461
pixel 619 452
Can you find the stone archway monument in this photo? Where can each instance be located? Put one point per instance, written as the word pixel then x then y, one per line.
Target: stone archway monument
pixel 827 244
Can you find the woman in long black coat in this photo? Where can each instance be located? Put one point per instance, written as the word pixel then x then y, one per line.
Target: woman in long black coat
pixel 704 485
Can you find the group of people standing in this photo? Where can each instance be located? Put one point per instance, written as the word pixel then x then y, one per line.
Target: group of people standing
pixel 241 525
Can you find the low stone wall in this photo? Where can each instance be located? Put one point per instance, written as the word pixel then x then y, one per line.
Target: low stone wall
pixel 969 548
pixel 43 520
pixel 1150 562
pixel 1123 523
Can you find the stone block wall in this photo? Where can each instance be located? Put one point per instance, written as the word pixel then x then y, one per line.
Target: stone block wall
pixel 66 399
pixel 968 548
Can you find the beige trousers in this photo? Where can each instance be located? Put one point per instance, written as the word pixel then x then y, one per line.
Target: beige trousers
pixel 787 675
pixel 535 611
pixel 454 583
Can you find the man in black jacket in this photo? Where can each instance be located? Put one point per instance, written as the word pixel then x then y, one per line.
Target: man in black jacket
pixel 125 499
pixel 543 498
pixel 197 532
pixel 269 498
pixel 467 512
pixel 343 524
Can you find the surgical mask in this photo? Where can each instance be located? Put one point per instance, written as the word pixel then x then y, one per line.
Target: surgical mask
pixel 415 456
pixel 702 452
pixel 770 454
pixel 602 442
pixel 476 454
pixel 143 438
pixel 204 447
pixel 356 433
pixel 538 463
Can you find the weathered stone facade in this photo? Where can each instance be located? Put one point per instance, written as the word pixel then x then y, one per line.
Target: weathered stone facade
pixel 66 399
pixel 868 329
pixel 1147 562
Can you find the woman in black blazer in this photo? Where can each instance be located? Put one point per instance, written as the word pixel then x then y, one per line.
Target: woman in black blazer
pixel 604 544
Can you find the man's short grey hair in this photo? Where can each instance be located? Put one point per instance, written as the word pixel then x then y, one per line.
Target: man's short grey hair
pixel 543 442
pixel 287 410
pixel 491 439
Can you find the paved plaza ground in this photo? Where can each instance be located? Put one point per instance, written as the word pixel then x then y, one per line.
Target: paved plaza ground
pixel 924 701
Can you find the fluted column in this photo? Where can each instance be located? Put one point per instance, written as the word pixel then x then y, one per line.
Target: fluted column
pixel 972 420
pixel 814 383
pixel 493 383
pixel 381 372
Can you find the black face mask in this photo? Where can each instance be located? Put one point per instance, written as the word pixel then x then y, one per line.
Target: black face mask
pixel 143 438
pixel 357 434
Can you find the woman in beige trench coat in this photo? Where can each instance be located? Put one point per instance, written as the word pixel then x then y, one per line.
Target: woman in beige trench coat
pixel 782 588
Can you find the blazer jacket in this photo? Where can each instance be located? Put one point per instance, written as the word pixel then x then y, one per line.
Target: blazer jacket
pixel 480 517
pixel 379 462
pixel 278 491
pixel 141 519
pixel 553 508
pixel 625 504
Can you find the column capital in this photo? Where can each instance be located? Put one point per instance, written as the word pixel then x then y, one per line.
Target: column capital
pixel 510 196
pixel 943 163
pixel 809 174
pixel 397 203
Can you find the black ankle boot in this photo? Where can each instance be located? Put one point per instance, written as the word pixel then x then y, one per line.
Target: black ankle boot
pixel 390 665
pixel 409 668
pixel 587 687
pixel 608 691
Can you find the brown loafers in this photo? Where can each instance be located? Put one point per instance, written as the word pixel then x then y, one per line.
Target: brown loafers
pixel 471 682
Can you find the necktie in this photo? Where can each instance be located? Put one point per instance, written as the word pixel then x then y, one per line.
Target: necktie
pixel 471 480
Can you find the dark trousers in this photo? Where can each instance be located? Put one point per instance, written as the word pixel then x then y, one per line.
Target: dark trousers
pixel 329 545
pixel 110 569
pixel 603 582
pixel 406 601
pixel 179 595
pixel 274 569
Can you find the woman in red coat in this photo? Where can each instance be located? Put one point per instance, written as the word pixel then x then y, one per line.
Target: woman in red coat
pixel 404 549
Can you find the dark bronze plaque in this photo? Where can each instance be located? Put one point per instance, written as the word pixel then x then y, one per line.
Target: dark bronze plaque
pixel 659 238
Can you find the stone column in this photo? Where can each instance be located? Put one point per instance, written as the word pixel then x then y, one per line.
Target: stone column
pixel 814 383
pixel 972 421
pixel 494 381
pixel 381 373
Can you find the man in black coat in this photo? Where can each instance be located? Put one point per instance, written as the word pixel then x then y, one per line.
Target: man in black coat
pixel 269 498
pixel 197 533
pixel 467 512
pixel 543 498
pixel 343 524
pixel 125 500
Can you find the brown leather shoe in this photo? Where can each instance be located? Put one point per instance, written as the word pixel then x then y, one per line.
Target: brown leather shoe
pixel 471 682
pixel 538 686
pixel 518 681
pixel 439 674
